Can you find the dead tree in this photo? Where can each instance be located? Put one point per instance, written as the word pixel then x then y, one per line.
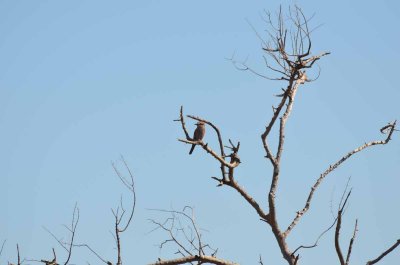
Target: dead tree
pixel 288 55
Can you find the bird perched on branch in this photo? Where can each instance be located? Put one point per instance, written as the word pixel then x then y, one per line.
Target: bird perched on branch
pixel 198 134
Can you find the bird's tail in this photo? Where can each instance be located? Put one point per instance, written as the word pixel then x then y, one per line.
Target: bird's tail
pixel 191 149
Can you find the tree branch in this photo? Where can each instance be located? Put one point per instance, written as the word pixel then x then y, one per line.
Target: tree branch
pixel 189 140
pixel 74 224
pixel 234 162
pixel 201 259
pixel 337 231
pixel 2 246
pixel 211 152
pixel 395 245
pixel 190 246
pixel 352 242
pixel 331 168
pixel 118 228
pixel 233 184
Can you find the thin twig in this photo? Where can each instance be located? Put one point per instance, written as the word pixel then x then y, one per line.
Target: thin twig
pixel 337 231
pixel 352 242
pixel 2 246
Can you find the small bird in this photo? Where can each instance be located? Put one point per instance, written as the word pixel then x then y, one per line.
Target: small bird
pixel 198 134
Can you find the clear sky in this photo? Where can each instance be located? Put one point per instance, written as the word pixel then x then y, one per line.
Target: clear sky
pixel 82 82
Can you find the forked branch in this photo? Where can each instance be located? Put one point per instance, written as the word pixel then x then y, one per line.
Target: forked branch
pixel 337 232
pixel 227 166
pixel 119 212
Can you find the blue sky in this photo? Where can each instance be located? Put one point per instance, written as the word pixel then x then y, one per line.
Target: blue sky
pixel 82 82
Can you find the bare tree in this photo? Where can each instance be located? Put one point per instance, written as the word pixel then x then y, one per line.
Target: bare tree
pixel 288 55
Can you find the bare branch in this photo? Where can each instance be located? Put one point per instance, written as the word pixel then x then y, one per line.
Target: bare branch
pixel 221 144
pixel 242 66
pixel 221 157
pixel 232 183
pixel 18 256
pixel 331 168
pixel 118 229
pixel 386 252
pixel 260 261
pixel 74 224
pixel 317 240
pixel 2 246
pixel 67 246
pixel 334 217
pixel 94 252
pixel 234 162
pixel 173 225
pixel 337 232
pixel 211 152
pixel 182 120
pixel 200 259
pixel 118 213
pixel 58 240
pixel 49 262
pixel 352 242
pixel 131 186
